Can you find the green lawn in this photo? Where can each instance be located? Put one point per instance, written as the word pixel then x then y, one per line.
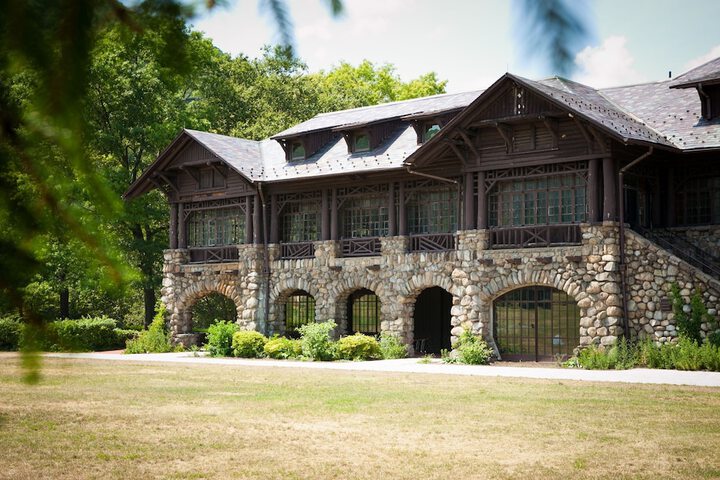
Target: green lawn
pixel 92 419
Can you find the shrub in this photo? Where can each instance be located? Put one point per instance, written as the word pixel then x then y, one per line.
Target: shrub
pixel 473 350
pixel 315 340
pixel 358 347
pixel 710 357
pixel 714 338
pixel 688 324
pixel 86 334
pixel 10 328
pixel 391 347
pixel 220 338
pixel 282 348
pixel 153 340
pixel 122 336
pixel 247 343
pixel 621 356
pixel 656 356
pixel 594 358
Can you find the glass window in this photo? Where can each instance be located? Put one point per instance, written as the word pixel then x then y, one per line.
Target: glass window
pixel 430 130
pixel 551 200
pixel 299 310
pixel 300 221
pixel 698 201
pixel 298 151
pixel 208 228
pixel 362 142
pixel 365 217
pixel 364 313
pixel 432 211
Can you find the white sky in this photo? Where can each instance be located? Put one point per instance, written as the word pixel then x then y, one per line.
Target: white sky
pixel 471 43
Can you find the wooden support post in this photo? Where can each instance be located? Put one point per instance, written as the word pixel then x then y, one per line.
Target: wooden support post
pixel 248 220
pixel 610 190
pixel 482 213
pixel 469 202
pixel 392 223
pixel 274 230
pixel 257 229
pixel 334 216
pixel 173 226
pixel 592 190
pixel 670 208
pixel 655 203
pixel 182 237
pixel 402 222
pixel 325 216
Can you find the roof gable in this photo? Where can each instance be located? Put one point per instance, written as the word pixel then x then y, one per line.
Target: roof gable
pixel 706 73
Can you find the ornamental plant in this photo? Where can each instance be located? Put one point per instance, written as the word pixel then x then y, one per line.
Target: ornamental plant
pixel 357 347
pixel 248 343
pixel 315 340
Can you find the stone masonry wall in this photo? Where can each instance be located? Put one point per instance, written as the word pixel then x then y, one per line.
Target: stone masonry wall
pixel 473 274
pixel 707 238
pixel 651 272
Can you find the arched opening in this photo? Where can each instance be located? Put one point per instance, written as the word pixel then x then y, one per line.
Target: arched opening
pixel 536 323
pixel 209 309
pixel 363 313
pixel 299 311
pixel 431 321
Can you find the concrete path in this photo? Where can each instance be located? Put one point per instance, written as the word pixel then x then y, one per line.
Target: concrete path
pixel 412 365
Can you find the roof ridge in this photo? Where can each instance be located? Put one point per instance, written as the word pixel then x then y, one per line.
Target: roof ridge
pixel 697 67
pixel 394 102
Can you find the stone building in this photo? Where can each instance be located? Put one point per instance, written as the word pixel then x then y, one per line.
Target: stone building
pixel 543 215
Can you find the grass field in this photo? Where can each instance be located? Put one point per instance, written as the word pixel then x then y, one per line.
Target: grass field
pixel 92 419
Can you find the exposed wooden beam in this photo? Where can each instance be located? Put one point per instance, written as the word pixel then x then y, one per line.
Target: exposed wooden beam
pixel 457 151
pixel 218 170
pixel 552 125
pixel 588 138
pixel 518 119
pixel 598 138
pixel 505 134
pixel 169 182
pixel 466 138
pixel 191 172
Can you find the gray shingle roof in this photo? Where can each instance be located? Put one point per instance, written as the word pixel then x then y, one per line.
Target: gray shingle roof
pixel 241 154
pixel 707 72
pixel 673 113
pixel 365 115
pixel 595 106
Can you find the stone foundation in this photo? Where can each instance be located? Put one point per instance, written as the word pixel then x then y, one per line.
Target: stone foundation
pixel 473 274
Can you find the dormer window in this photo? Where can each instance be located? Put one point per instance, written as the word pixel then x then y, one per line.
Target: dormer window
pixel 430 129
pixel 298 151
pixel 361 142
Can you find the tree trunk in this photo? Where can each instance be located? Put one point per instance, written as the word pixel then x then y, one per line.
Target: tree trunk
pixel 149 299
pixel 65 302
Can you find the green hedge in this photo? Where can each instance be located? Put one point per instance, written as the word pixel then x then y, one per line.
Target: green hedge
pixel 85 334
pixel 282 348
pixel 357 347
pixel 10 329
pixel 248 344
pixel 153 340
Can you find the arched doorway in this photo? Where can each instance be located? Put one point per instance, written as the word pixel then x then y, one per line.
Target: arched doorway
pixel 432 321
pixel 299 310
pixel 208 310
pixel 363 312
pixel 536 323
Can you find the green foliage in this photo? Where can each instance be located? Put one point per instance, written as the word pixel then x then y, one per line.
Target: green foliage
pixel 315 340
pixel 248 344
pixel 688 324
pixel 473 350
pixel 448 356
pixel 282 348
pixel 357 347
pixel 220 338
pixel 391 347
pixel 714 338
pixel 153 340
pixel 10 328
pixel 86 334
pixel 621 356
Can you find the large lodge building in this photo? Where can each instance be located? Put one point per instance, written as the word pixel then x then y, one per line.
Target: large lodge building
pixel 543 215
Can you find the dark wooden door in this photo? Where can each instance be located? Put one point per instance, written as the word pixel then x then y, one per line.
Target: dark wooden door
pixel 432 321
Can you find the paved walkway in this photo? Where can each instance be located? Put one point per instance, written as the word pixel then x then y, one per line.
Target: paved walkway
pixel 412 365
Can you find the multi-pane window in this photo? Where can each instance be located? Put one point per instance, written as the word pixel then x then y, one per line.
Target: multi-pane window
pixel 223 226
pixel 538 201
pixel 432 211
pixel 364 313
pixel 299 311
pixel 430 130
pixel 298 151
pixel 300 222
pixel 698 201
pixel 365 217
pixel 211 178
pixel 361 142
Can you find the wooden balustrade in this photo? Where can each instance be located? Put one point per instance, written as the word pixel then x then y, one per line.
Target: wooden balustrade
pixel 535 236
pixel 360 247
pixel 297 250
pixel 433 242
pixel 219 254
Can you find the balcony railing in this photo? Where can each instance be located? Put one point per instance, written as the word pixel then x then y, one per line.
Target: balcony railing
pixel 360 247
pixel 535 236
pixel 433 242
pixel 219 254
pixel 296 250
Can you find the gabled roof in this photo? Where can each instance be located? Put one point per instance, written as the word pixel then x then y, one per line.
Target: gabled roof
pixel 366 115
pixel 706 73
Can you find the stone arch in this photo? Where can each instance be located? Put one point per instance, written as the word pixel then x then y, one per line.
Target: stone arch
pixel 501 285
pixel 339 294
pixel 402 323
pixel 181 316
pixel 280 293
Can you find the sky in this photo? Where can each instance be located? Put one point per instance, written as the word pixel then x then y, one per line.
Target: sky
pixel 471 43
